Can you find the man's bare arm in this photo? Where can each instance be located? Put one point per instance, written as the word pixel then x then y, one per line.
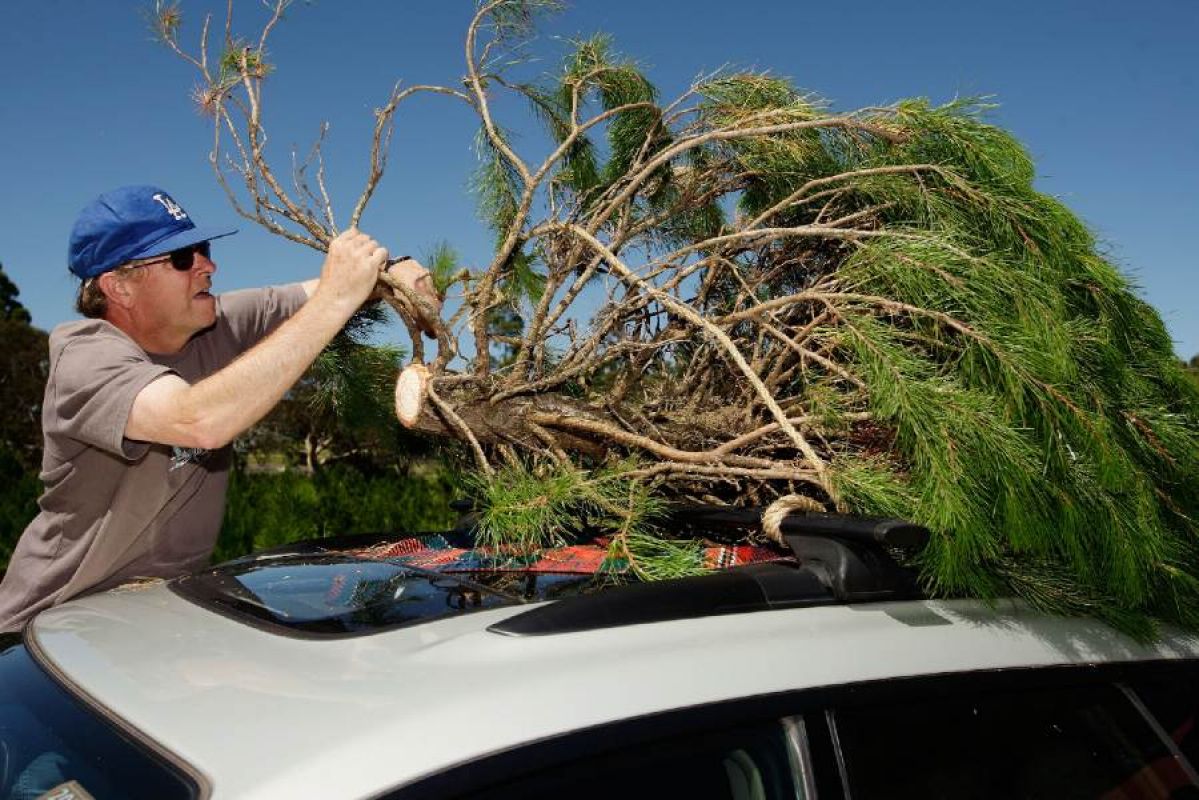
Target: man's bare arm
pixel 212 412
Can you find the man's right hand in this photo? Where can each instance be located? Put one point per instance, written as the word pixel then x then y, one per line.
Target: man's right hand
pixel 351 269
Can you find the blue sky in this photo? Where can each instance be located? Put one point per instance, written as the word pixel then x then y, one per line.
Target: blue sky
pixel 1104 95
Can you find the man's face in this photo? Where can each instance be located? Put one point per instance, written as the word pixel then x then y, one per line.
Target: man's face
pixel 170 299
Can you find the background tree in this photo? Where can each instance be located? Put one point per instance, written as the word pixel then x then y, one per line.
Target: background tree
pixel 741 295
pixel 341 411
pixel 23 369
pixel 11 308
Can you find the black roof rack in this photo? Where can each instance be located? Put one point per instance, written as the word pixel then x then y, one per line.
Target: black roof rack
pixel 842 559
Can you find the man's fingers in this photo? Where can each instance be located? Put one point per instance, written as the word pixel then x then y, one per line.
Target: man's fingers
pixel 410 271
pixel 347 236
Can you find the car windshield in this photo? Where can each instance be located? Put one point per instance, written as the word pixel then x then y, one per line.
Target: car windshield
pixel 322 595
pixel 52 745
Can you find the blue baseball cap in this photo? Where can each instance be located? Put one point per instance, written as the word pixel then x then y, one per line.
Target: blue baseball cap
pixel 129 223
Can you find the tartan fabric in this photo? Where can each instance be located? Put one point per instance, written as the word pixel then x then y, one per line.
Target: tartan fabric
pixel 436 554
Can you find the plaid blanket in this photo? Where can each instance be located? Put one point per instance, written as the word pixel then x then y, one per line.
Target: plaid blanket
pixel 436 554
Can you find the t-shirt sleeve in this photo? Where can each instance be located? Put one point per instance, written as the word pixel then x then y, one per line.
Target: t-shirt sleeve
pixel 251 314
pixel 93 383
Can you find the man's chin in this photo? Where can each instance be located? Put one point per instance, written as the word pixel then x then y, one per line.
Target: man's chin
pixel 204 306
pixel 203 327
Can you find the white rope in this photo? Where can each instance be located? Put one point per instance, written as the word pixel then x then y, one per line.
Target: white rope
pixel 776 512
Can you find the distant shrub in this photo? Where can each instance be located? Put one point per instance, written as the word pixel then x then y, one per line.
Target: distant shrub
pixel 19 490
pixel 268 510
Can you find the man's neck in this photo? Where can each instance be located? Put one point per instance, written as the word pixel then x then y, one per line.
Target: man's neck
pixel 163 343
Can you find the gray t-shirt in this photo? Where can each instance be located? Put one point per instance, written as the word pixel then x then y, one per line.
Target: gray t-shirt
pixel 113 508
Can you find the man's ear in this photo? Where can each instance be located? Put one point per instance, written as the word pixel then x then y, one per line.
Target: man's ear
pixel 116 289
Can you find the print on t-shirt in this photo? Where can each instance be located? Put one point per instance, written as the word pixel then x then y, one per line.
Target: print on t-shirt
pixel 182 456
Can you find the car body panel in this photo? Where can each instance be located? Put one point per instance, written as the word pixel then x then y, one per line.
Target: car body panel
pixel 263 715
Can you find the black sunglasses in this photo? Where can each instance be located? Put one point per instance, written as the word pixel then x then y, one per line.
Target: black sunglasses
pixel 182 259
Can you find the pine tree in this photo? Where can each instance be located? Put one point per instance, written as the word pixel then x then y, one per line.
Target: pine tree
pixel 875 309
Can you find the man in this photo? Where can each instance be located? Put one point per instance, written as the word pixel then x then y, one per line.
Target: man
pixel 146 394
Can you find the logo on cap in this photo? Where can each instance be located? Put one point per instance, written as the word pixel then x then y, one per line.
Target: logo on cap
pixel 173 208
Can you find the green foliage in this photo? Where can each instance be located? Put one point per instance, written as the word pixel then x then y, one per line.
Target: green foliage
pixel 268 510
pixel 239 59
pixel 10 307
pixel 1038 421
pixel 515 19
pixel 1031 411
pixel 351 380
pixel 442 262
pixel 23 371
pixel 653 558
pixel 271 509
pixel 578 170
pixel 525 282
pixel 525 508
pixel 532 508
pixel 497 185
pixel 504 321
pixel 592 69
pixel 529 512
pixel 341 408
pixel 781 162
pixel 24 366
pixel 19 490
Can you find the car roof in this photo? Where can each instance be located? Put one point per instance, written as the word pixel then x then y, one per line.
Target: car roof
pixel 263 715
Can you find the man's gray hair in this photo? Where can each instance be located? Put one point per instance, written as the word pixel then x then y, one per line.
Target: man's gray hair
pixel 90 300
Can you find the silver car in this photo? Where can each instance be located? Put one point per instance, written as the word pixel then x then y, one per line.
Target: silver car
pixel 322 671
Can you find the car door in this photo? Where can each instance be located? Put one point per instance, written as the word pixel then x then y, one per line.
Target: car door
pixel 1072 732
pixel 1125 731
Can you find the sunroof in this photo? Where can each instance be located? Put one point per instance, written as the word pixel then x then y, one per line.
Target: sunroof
pixel 356 585
pixel 331 595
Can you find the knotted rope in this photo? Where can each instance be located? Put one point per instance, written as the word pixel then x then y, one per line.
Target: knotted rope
pixel 776 512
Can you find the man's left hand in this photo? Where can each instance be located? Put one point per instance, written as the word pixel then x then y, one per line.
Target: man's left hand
pixel 412 274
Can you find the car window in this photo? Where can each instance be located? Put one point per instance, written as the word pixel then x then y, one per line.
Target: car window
pixel 1065 742
pixel 739 764
pixel 51 745
pixel 1173 700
